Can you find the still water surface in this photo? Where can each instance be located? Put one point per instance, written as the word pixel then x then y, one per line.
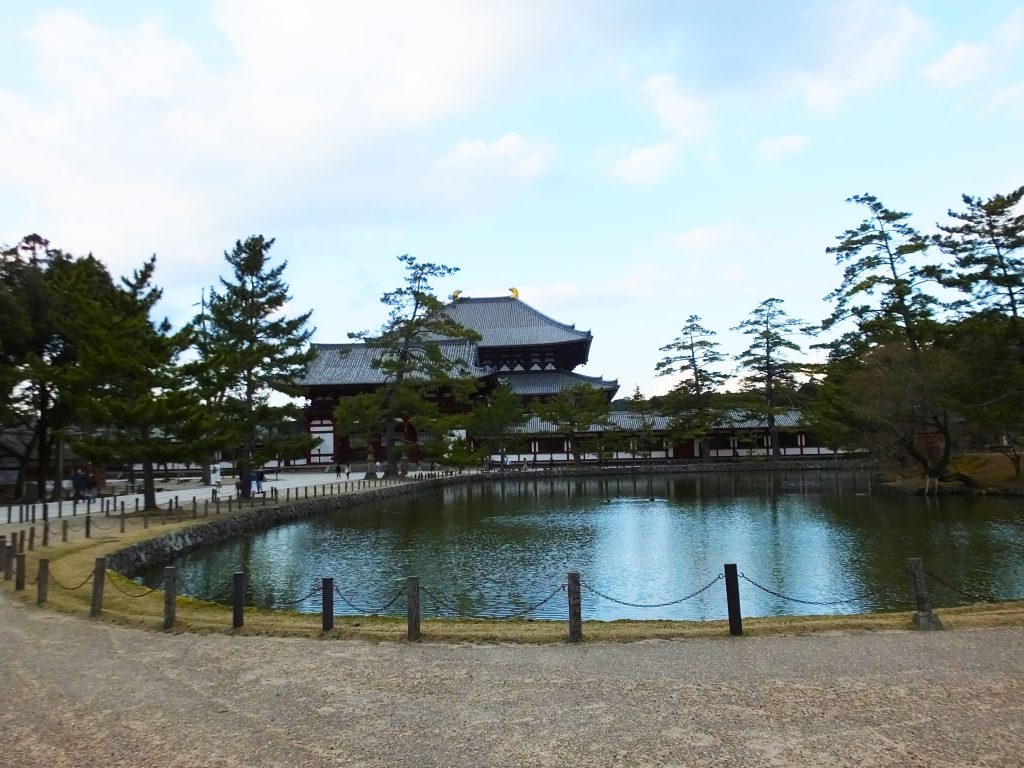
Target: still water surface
pixel 498 548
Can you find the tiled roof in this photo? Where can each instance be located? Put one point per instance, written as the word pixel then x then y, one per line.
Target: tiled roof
pixel 744 420
pixel 503 321
pixel 536 383
pixel 627 422
pixel 340 364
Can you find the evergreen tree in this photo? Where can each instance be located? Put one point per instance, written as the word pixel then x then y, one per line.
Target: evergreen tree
pixel 494 422
pixel 420 356
pixel 881 288
pixel 573 411
pixel 987 247
pixel 249 350
pixel 50 326
pixel 693 403
pixel 769 371
pixel 136 415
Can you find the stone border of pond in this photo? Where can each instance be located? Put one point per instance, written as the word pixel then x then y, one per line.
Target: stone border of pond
pixel 150 551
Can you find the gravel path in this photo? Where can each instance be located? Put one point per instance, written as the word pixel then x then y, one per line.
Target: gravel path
pixel 80 694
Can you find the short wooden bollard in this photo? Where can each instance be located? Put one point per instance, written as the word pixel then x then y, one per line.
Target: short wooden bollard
pixel 21 541
pixel 575 607
pixel 9 552
pixel 145 518
pixel 19 573
pixel 924 617
pixel 122 521
pixel 412 595
pixel 216 505
pixel 170 597
pixel 238 600
pixel 99 575
pixel 46 533
pixel 732 599
pixel 327 603
pixel 206 507
pixel 195 508
pixel 64 527
pixel 229 505
pixel 43 582
pixel 31 538
pixel 88 526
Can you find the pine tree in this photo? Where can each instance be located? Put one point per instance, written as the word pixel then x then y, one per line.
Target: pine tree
pixel 249 350
pixel 769 371
pixel 692 403
pixel 419 357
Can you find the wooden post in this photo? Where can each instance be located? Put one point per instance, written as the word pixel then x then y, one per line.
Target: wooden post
pixel 237 600
pixel 99 575
pixel 19 573
pixel 287 495
pixel 924 618
pixel 122 521
pixel 575 607
pixel 327 603
pixel 88 526
pixel 31 539
pixel 64 531
pixel 229 505
pixel 46 533
pixel 412 594
pixel 21 540
pixel 206 507
pixel 732 599
pixel 195 508
pixel 170 597
pixel 9 562
pixel 43 582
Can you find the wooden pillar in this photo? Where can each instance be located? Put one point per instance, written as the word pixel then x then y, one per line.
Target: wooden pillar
pixel 32 539
pixel 19 573
pixel 575 607
pixel 64 527
pixel 9 552
pixel 88 526
pixel 412 593
pixel 924 617
pixel 732 599
pixel 170 597
pixel 99 575
pixel 327 603
pixel 43 582
pixel 238 600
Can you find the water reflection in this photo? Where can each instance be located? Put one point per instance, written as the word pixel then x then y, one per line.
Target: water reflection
pixel 496 548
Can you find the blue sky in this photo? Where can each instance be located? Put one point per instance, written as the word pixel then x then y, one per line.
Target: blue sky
pixel 624 165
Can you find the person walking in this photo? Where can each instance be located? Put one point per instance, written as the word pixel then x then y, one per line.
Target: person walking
pixel 348 471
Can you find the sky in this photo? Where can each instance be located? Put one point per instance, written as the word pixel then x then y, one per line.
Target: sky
pixel 622 164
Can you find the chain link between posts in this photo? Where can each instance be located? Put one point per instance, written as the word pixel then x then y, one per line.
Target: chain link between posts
pixel 791 599
pixel 706 587
pixel 364 611
pixel 518 614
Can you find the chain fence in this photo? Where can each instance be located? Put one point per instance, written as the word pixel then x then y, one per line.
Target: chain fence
pixel 366 611
pixel 824 603
pixel 693 594
pixel 459 613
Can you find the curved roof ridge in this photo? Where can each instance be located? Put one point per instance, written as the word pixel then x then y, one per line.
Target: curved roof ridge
pixel 526 306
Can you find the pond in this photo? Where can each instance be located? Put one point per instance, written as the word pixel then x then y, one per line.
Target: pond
pixel 805 543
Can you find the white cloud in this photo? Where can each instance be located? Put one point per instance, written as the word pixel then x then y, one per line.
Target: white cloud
pixel 1010 98
pixel 967 62
pixel 646 165
pixel 511 156
pixel 869 44
pixel 136 143
pixel 774 148
pixel 684 116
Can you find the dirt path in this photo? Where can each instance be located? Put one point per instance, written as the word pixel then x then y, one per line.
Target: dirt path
pixel 81 694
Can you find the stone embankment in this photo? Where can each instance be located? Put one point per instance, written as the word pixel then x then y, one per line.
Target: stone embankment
pixel 165 548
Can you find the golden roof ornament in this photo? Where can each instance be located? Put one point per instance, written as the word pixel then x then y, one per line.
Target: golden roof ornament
pixel 514 292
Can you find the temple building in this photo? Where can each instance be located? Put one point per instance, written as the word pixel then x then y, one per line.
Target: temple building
pixel 519 346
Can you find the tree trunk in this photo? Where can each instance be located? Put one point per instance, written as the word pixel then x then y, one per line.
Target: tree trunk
pixel 148 485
